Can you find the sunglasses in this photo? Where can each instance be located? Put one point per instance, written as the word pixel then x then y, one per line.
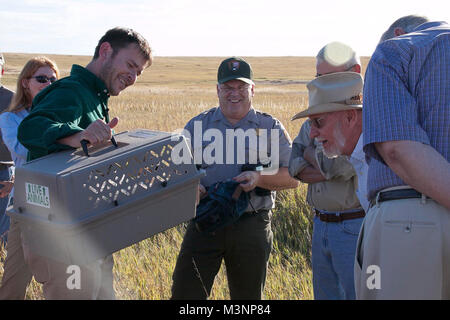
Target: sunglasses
pixel 318 122
pixel 44 79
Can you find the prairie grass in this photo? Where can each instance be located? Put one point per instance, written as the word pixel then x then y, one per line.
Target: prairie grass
pixel 165 97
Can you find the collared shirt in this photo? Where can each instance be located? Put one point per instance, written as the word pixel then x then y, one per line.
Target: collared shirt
pixel 337 193
pixel 62 109
pixel 221 149
pixel 357 159
pixel 6 96
pixel 407 97
pixel 9 122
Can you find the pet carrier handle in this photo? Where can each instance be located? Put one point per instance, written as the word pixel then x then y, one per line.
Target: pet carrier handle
pixel 106 114
pixel 114 141
pixel 84 144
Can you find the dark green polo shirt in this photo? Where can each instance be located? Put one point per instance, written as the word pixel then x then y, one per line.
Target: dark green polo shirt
pixel 62 109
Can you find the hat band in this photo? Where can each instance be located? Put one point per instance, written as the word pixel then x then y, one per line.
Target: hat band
pixel 356 100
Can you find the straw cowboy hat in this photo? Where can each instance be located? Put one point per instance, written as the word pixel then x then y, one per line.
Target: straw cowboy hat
pixel 333 92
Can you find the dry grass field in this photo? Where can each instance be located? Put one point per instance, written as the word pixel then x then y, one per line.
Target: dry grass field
pixel 164 98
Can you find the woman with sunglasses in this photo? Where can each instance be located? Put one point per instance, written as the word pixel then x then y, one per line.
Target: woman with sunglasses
pixel 38 73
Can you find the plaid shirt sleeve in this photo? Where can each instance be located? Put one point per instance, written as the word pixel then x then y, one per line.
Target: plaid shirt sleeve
pixel 406 97
pixel 390 109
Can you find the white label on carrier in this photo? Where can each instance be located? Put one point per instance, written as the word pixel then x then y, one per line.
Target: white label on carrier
pixel 37 195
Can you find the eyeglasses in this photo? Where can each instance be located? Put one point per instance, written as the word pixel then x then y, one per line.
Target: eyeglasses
pixel 44 79
pixel 318 122
pixel 228 89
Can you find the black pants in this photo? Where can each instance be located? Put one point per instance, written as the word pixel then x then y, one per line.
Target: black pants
pixel 245 246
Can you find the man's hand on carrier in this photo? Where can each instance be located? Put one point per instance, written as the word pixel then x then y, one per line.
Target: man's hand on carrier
pixel 97 132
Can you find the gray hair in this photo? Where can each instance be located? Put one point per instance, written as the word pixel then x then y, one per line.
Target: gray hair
pixel 333 48
pixel 407 23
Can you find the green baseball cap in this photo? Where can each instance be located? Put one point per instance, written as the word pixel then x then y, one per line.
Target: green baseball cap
pixel 235 68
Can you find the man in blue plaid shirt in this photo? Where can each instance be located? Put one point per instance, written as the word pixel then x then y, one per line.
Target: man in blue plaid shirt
pixel 404 246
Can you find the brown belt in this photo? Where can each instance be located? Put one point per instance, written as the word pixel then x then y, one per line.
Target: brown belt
pixel 339 217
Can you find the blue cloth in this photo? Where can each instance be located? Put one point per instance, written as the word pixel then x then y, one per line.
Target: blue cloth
pixel 5 175
pixel 333 257
pixel 218 209
pixel 407 97
pixel 9 122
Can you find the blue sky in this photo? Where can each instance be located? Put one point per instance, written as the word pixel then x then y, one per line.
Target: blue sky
pixel 206 27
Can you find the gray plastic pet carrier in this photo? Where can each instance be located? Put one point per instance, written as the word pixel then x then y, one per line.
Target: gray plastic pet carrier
pixel 76 209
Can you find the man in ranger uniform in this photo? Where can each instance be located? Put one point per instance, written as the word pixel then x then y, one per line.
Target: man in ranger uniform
pixel 245 245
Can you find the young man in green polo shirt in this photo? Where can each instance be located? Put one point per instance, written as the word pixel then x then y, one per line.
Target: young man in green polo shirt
pixel 64 114
pixel 72 109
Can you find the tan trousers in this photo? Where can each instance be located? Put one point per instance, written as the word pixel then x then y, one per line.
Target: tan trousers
pixel 16 274
pixel 403 251
pixel 59 280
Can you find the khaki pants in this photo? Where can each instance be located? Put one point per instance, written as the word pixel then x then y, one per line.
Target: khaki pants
pixel 95 279
pixel 16 274
pixel 403 251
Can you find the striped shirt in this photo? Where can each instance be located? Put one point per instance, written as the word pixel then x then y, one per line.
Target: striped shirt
pixel 407 97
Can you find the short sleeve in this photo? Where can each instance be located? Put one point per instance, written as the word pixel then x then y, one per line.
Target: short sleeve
pixel 390 110
pixel 296 162
pixel 285 147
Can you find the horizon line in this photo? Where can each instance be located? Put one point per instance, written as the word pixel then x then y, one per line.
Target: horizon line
pixel 173 56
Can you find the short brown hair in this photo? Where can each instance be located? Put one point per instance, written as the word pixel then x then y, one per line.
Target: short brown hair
pixel 120 37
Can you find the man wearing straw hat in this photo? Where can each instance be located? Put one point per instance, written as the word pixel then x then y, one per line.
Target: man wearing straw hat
pixel 332 189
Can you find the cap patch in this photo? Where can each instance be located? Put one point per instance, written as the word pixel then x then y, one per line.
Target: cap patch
pixel 233 65
pixel 355 100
